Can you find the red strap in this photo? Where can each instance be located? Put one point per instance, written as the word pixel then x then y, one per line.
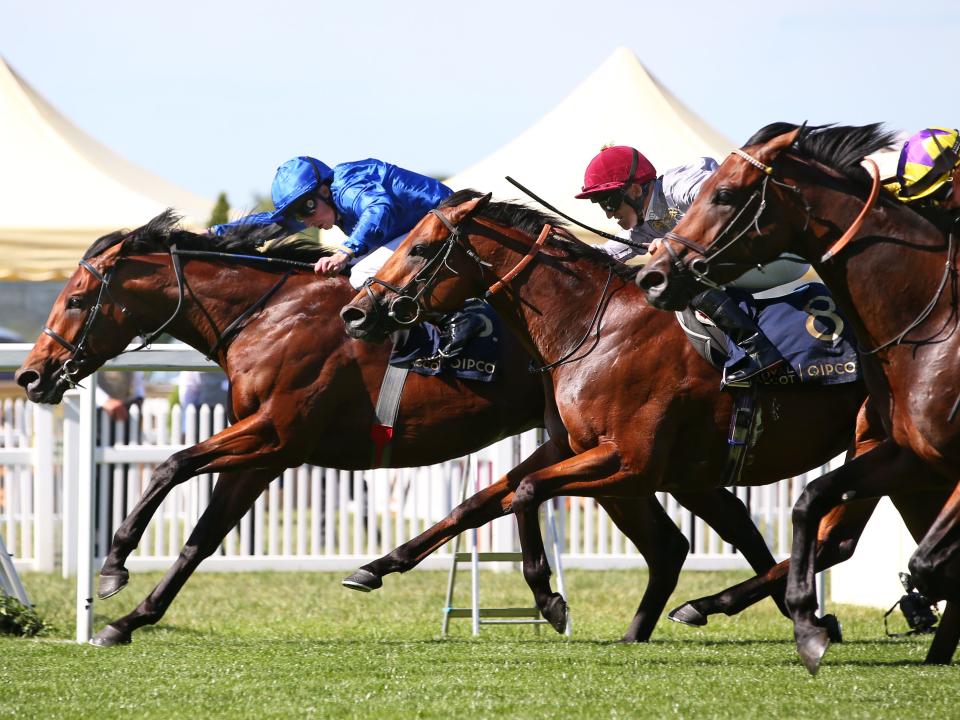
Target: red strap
pixel 855 228
pixel 526 260
pixel 381 436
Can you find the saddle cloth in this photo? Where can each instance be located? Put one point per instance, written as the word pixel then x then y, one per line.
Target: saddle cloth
pixel 416 348
pixel 804 325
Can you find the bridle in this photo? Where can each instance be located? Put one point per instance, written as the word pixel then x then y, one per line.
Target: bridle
pixel 700 267
pixel 405 308
pixel 70 368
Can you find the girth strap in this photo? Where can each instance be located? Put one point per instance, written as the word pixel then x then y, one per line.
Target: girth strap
pixel 741 425
pixel 388 405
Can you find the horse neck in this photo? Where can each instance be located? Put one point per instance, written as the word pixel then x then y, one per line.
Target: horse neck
pixel 888 273
pixel 554 303
pixel 214 295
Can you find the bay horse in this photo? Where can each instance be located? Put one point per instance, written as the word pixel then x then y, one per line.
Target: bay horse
pixel 301 392
pixel 892 272
pixel 641 411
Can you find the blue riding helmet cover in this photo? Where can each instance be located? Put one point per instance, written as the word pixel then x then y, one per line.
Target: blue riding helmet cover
pixel 294 179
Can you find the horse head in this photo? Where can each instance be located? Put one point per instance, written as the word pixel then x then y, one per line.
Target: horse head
pixel 87 326
pixel 433 271
pixel 743 216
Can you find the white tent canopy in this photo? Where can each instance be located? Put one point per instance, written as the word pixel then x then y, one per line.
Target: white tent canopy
pixel 97 190
pixel 619 104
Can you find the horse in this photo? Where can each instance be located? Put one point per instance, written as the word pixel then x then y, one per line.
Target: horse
pixel 301 391
pixel 805 190
pixel 641 411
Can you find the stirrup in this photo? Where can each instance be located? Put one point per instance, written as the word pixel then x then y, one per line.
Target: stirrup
pixel 743 376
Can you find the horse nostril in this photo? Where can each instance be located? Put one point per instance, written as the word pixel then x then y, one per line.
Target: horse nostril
pixel 26 378
pixel 651 279
pixel 352 316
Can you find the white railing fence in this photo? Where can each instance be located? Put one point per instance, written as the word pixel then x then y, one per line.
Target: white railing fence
pixel 72 474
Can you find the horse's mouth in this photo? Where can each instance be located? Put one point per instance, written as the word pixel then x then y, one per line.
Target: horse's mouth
pixel 41 388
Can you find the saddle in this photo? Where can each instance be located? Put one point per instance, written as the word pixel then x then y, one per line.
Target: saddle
pixel 805 326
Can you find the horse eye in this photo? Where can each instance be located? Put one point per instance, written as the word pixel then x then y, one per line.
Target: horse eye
pixel 421 250
pixel 74 302
pixel 723 196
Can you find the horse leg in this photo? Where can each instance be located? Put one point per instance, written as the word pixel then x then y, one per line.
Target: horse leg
pixel 490 503
pixel 593 473
pixel 232 496
pixel 876 473
pixel 232 446
pixel 836 541
pixel 536 571
pixel 935 565
pixel 729 517
pixel 663 546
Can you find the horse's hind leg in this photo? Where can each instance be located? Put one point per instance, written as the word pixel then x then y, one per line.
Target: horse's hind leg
pixel 232 496
pixel 836 541
pixel 488 504
pixel 233 445
pixel 663 546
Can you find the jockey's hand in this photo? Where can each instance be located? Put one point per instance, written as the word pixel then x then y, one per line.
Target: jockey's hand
pixel 332 264
pixel 654 246
pixel 116 409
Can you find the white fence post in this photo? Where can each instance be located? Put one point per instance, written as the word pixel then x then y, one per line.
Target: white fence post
pixel 87 440
pixel 43 515
pixel 70 461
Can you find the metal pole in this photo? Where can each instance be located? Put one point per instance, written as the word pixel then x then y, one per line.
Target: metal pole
pixel 475 557
pixel 85 507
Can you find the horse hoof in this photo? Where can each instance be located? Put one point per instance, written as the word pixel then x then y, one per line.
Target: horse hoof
pixel 833 628
pixel 688 615
pixel 555 613
pixel 110 585
pixel 109 637
pixel 362 580
pixel 811 649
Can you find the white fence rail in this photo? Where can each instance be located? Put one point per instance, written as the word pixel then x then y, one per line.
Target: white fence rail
pixel 70 474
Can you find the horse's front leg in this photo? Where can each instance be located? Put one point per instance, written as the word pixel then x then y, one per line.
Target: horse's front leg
pixel 232 497
pixel 488 504
pixel 664 548
pixel 238 444
pixel 877 473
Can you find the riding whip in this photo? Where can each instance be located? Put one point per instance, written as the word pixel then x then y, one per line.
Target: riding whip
pixel 636 246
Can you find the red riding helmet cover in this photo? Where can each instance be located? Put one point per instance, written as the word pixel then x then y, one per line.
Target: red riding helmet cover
pixel 611 170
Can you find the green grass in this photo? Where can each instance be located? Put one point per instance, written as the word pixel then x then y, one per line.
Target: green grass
pixel 258 645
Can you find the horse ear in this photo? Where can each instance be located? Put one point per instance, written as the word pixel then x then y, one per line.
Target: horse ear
pixel 772 149
pixel 466 210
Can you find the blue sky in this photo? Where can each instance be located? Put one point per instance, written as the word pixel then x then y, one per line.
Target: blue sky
pixel 214 95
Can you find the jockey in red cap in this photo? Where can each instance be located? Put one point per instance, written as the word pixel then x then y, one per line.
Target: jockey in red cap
pixel 625 184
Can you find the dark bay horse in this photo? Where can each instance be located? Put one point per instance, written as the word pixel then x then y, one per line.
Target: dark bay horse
pixel 641 410
pixel 301 392
pixel 892 271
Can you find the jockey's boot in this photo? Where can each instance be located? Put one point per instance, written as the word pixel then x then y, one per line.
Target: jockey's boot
pixel 724 312
pixel 457 330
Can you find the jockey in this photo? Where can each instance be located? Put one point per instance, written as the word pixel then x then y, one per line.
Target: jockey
pixel 375 203
pixel 928 161
pixel 626 186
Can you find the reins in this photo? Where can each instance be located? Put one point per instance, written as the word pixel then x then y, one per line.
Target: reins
pixel 69 369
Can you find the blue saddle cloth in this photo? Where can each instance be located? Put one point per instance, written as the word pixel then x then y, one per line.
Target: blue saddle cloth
pixel 808 330
pixel 417 347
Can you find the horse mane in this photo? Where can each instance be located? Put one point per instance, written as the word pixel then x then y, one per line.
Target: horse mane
pixel 840 147
pixel 531 221
pixel 242 239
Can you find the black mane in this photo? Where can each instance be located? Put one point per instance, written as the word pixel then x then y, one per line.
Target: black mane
pixel 164 230
pixel 530 221
pixel 841 147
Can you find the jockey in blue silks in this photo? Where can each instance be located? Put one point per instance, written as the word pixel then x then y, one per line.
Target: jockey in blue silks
pixel 375 203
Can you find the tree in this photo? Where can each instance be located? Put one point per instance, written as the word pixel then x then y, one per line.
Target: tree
pixel 220 212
